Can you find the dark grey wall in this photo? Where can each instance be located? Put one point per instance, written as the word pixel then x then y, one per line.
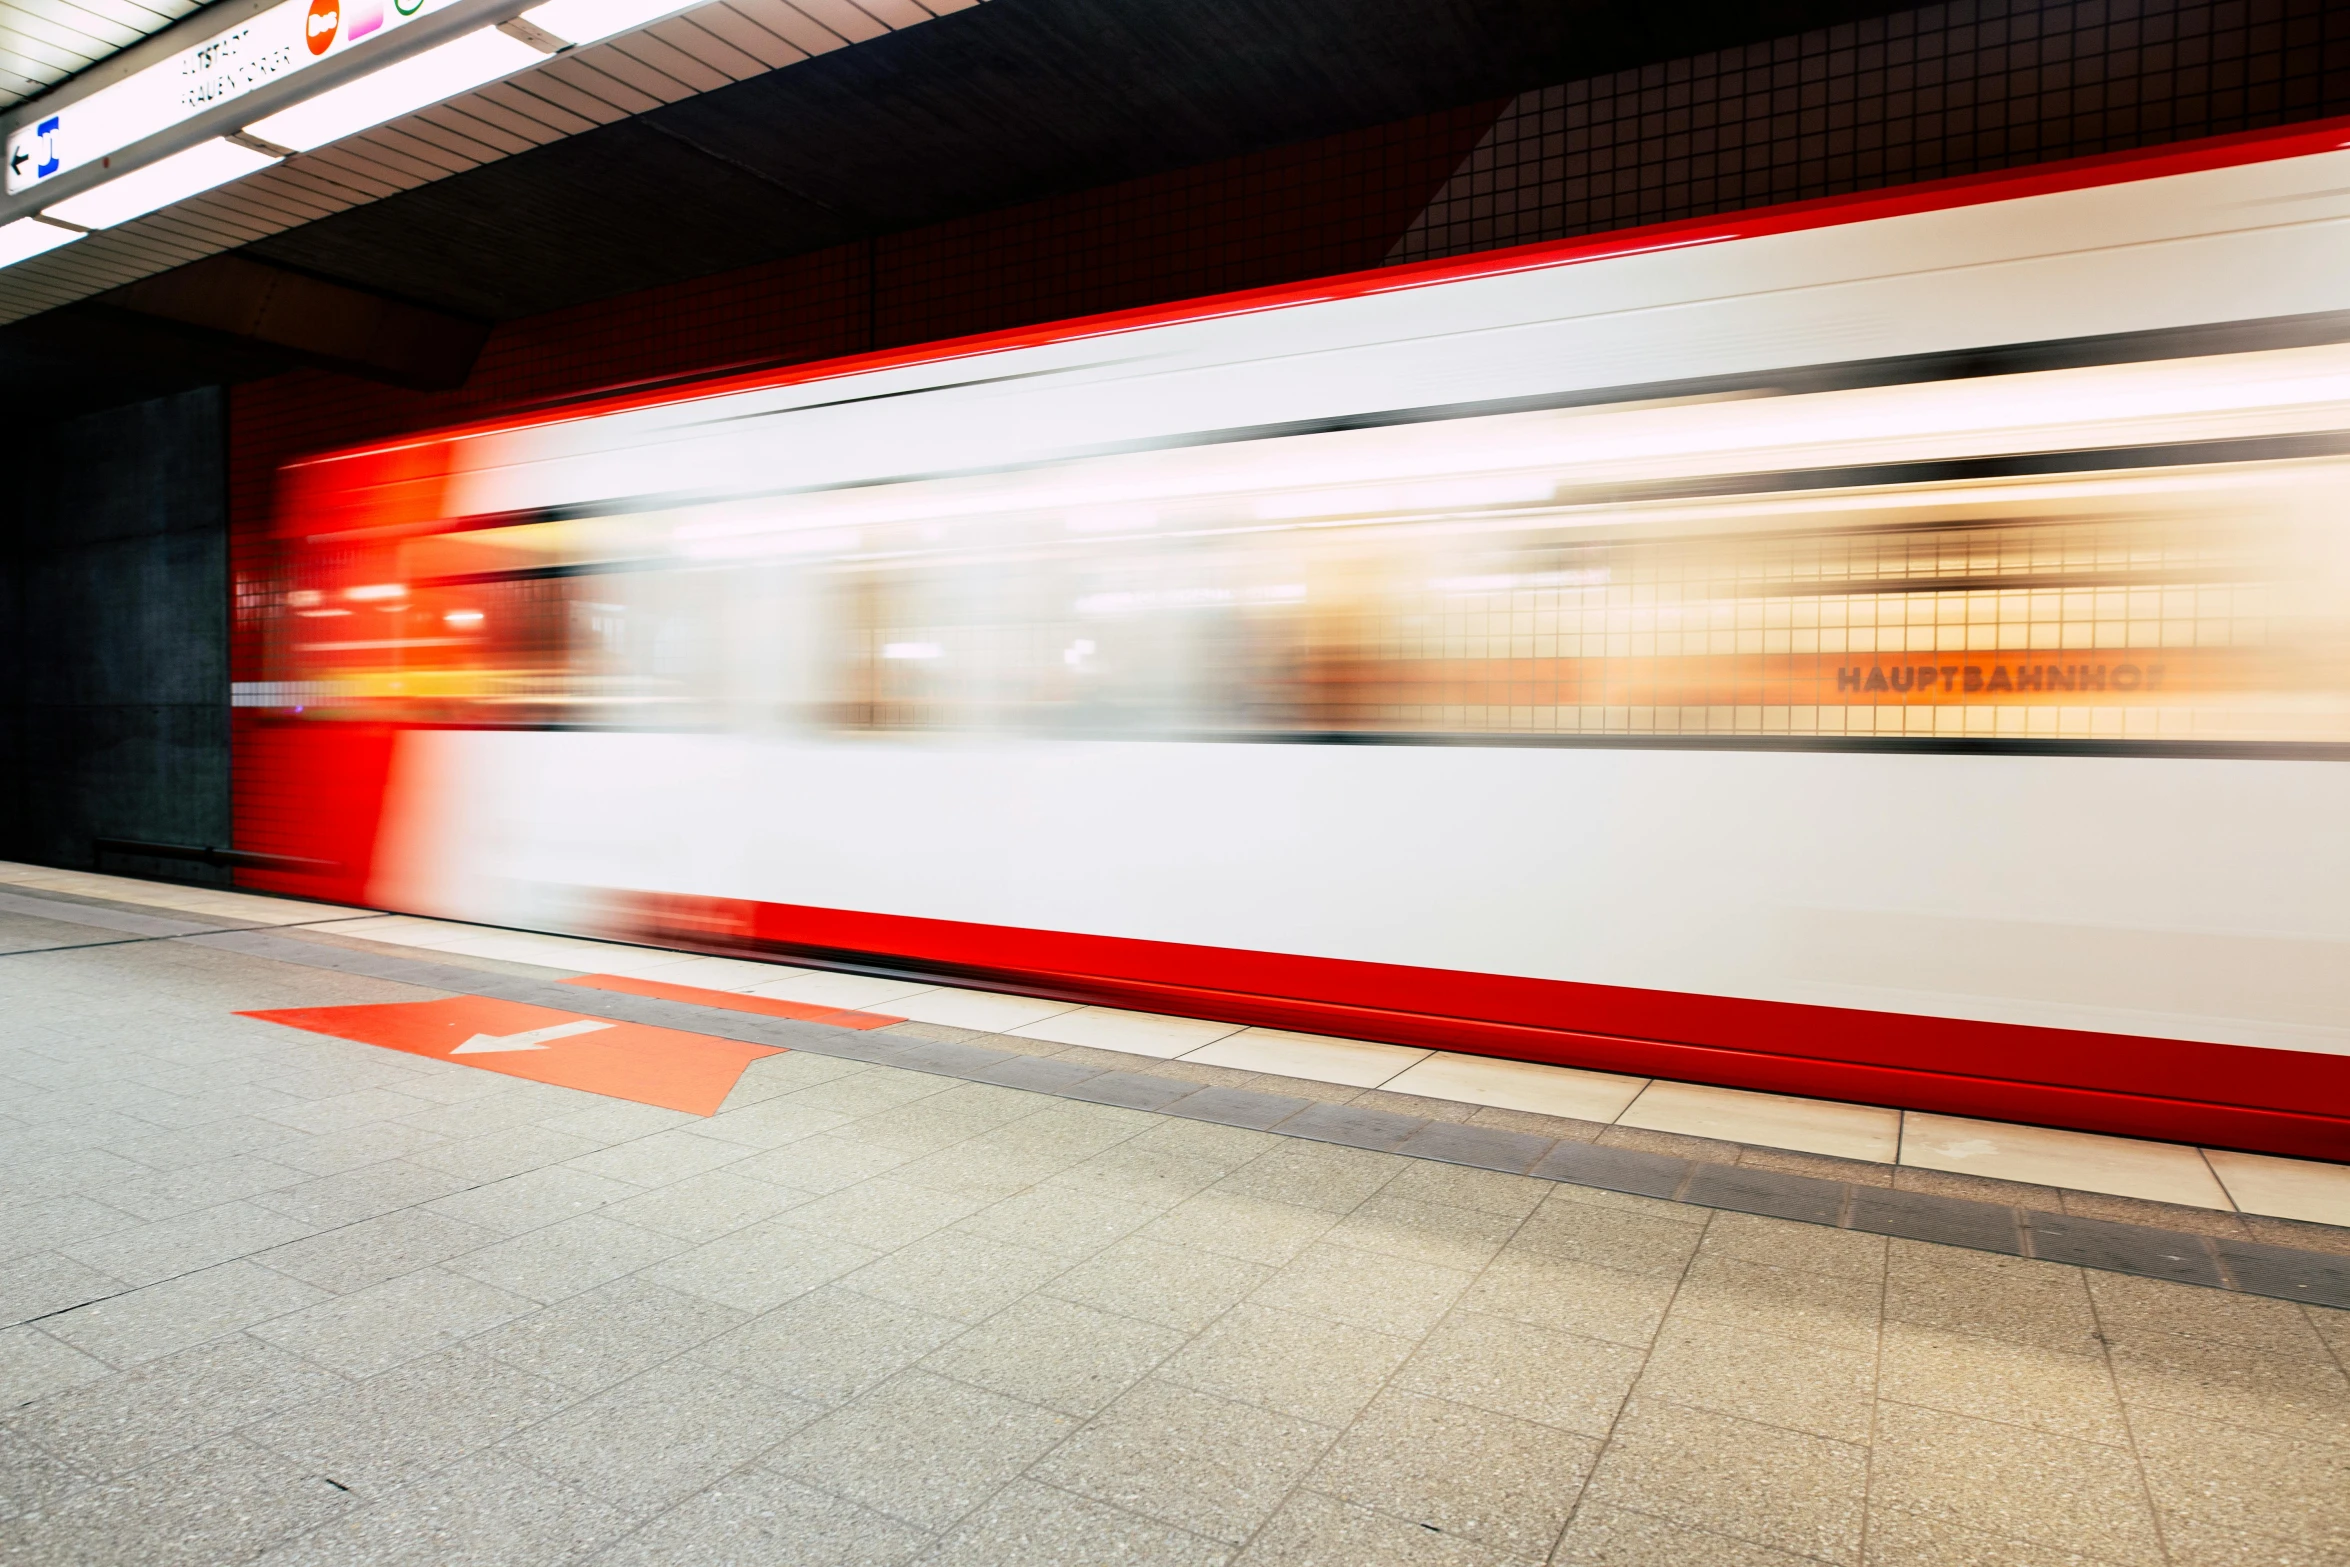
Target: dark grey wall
pixel 114 722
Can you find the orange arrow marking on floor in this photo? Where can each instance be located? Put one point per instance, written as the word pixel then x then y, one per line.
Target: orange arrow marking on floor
pixel 653 1066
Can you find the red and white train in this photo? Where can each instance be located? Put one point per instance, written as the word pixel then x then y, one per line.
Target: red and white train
pixel 1892 648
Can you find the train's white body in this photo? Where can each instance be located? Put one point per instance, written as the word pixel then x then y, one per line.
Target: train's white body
pixel 2164 867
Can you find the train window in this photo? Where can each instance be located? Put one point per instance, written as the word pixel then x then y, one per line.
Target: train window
pixel 1267 591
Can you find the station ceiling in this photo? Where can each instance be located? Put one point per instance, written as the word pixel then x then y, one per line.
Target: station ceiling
pixel 42 42
pixel 1006 102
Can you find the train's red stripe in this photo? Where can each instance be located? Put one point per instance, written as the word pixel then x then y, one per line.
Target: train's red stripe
pixel 2277 1101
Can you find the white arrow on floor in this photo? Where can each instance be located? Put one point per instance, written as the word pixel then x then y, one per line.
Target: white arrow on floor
pixel 535 1039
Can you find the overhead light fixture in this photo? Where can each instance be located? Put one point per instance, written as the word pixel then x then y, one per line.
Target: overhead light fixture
pixel 417 82
pixel 585 21
pixel 175 178
pixel 30 237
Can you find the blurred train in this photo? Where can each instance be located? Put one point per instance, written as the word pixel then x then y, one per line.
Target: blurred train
pixel 1893 648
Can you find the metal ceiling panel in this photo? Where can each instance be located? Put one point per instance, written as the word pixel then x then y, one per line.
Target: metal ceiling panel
pixel 705 49
pixel 42 42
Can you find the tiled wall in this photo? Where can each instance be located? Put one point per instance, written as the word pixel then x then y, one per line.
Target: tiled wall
pixel 114 719
pixel 1945 89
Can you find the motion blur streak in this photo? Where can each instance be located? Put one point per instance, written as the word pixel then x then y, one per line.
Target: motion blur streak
pixel 1902 653
pixel 1537 574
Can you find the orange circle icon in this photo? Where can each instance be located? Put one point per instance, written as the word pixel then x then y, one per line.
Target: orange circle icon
pixel 319 29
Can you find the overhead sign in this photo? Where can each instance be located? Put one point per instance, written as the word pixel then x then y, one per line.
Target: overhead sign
pixel 654 1066
pixel 289 37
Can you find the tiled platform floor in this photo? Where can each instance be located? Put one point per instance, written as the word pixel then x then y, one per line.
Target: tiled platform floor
pixel 285 1298
pixel 2089 1175
pixel 2108 1177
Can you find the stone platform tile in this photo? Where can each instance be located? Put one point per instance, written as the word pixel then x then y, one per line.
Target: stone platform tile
pixel 2220 1262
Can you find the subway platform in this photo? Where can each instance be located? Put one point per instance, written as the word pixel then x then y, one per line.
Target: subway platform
pixel 340 1238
